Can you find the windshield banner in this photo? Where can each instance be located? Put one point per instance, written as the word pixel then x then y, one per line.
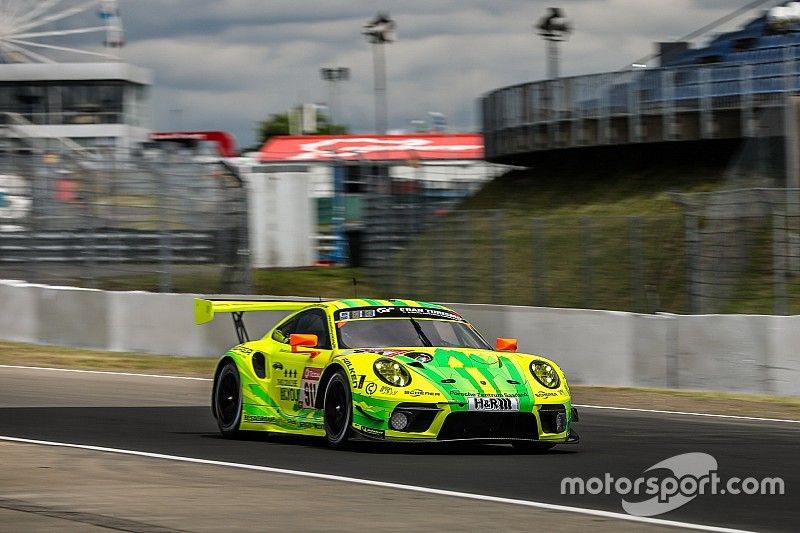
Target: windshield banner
pixel 395 312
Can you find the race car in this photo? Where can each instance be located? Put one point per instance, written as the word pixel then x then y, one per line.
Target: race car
pixel 390 370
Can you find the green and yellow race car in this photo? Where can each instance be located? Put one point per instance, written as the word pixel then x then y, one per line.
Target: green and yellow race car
pixel 395 370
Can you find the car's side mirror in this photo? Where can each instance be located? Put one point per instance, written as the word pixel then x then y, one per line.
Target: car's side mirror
pixel 505 345
pixel 302 339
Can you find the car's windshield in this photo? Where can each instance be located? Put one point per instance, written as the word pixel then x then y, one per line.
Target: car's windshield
pixel 407 332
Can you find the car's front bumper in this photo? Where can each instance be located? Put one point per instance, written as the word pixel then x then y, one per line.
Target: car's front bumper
pixel 549 423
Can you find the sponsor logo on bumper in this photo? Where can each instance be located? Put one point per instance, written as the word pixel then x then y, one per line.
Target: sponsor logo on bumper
pixel 493 404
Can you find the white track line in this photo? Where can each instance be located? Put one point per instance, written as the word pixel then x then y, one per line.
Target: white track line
pixel 103 372
pixel 582 406
pixel 689 413
pixel 388 485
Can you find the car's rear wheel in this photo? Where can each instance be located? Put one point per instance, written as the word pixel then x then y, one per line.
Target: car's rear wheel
pixel 533 447
pixel 228 400
pixel 338 408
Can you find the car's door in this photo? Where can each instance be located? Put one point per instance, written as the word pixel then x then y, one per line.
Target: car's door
pixel 297 371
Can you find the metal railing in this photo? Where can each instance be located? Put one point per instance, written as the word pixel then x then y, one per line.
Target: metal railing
pixel 642 105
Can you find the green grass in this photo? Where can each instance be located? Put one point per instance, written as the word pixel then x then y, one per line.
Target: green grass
pixel 325 282
pixel 608 269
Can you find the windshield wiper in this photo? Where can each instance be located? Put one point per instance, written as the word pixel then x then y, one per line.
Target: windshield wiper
pixel 422 337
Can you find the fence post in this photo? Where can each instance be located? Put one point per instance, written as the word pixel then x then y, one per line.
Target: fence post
pixel 587 260
pixel 779 262
pixel 164 235
pixel 466 265
pixel 497 238
pixel 637 268
pixel 90 235
pixel 691 244
pixel 539 263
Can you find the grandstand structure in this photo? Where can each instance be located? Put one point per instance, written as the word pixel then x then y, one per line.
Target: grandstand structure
pixel 738 86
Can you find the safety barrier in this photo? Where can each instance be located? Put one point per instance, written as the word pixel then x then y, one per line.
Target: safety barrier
pixel 745 353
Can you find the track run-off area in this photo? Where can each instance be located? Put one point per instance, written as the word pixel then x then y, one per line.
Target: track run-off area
pixel 107 435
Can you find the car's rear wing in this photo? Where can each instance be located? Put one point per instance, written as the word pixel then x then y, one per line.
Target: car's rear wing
pixel 204 310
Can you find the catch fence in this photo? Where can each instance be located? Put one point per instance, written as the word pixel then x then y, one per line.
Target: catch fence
pixel 108 222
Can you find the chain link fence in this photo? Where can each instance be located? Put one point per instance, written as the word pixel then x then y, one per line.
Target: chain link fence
pixel 427 248
pixel 105 221
pixel 733 251
pixel 743 249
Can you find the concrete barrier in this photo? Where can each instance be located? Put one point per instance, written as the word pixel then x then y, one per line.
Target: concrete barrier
pixel 757 354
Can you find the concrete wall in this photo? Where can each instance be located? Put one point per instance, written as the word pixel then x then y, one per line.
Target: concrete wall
pixel 757 354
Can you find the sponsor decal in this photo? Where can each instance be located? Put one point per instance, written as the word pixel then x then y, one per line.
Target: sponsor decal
pixel 286 383
pixel 259 419
pixel 308 386
pixel 381 351
pixel 289 395
pixel 243 349
pixel 289 373
pixel 419 392
pixel 352 373
pixel 456 392
pixel 545 394
pixel 387 390
pixel 371 387
pixel 311 373
pixel 371 432
pixel 353 315
pixel 493 404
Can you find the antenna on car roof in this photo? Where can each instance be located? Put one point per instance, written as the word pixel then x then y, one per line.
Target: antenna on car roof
pixel 355 287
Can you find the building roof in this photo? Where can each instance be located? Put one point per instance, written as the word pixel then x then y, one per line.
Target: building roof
pixel 421 146
pixel 29 72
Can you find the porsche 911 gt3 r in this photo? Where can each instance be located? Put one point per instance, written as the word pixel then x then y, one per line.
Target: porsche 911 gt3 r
pixel 384 370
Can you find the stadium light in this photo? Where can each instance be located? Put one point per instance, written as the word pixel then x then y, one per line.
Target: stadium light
pixel 333 76
pixel 380 31
pixel 553 28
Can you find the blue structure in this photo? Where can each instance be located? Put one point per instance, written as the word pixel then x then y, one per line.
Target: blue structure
pixel 733 88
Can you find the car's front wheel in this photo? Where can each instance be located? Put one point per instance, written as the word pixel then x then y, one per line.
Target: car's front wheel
pixel 228 400
pixel 338 408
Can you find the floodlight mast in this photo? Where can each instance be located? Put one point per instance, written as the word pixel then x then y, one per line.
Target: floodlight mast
pixel 333 76
pixel 553 28
pixel 380 31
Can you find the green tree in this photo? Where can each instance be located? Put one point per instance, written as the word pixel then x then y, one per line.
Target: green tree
pixel 278 124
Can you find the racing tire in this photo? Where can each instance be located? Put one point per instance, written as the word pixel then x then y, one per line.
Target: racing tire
pixel 532 447
pixel 228 400
pixel 338 410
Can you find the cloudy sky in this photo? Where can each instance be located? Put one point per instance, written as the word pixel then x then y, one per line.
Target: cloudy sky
pixel 226 64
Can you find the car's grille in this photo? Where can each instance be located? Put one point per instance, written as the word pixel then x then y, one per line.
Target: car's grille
pixel 473 425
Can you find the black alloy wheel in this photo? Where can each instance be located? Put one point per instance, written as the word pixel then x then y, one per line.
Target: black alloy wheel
pixel 338 409
pixel 228 400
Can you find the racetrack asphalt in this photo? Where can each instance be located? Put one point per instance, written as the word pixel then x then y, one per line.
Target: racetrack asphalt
pixel 120 412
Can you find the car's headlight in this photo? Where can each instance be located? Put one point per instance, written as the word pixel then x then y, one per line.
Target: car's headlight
pixel 392 372
pixel 545 374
